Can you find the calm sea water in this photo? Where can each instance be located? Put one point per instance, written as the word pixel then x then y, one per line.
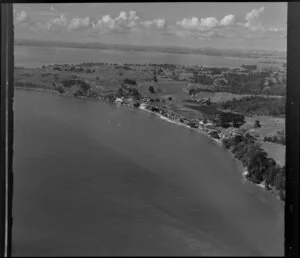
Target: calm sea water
pixel 95 179
pixel 31 56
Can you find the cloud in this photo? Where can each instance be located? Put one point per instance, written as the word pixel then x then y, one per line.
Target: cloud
pixel 156 23
pixel 227 20
pixel 225 27
pixel 52 9
pixel 125 22
pixel 252 19
pixel 195 23
pixel 21 17
pixel 58 23
pixel 79 23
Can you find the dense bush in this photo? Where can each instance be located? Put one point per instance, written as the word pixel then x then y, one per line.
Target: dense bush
pixel 151 89
pixel 203 79
pixel 250 67
pixel 129 81
pixel 251 83
pixel 260 167
pixel 257 124
pixel 279 138
pixel 126 92
pixel 257 105
pixel 226 119
pixel 69 83
pixel 60 89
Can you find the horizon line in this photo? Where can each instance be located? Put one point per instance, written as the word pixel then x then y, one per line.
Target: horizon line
pixel 148 46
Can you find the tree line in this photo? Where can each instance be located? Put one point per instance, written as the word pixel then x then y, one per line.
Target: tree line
pixel 257 105
pixel 260 167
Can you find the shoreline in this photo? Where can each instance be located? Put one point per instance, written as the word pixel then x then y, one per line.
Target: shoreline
pixel 180 124
pixel 142 107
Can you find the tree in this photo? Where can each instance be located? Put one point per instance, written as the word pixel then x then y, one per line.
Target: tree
pixel 129 81
pixel 192 92
pixel 136 94
pixel 257 124
pixel 60 89
pixel 279 181
pixel 155 78
pixel 257 167
pixel 151 89
pixel 97 78
pixel 271 172
pixel 170 98
pixel 84 86
pixel 120 92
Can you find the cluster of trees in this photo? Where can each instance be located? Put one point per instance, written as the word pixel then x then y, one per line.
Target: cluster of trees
pixel 26 84
pixel 249 67
pixel 279 138
pixel 73 68
pixel 194 91
pixel 233 82
pixel 130 81
pixel 165 66
pixel 60 89
pixel 84 90
pixel 81 83
pixel 228 119
pixel 217 70
pixel 151 89
pixel 203 79
pixel 253 83
pixel 219 118
pixel 126 92
pixel 260 167
pixel 257 105
pixel 88 70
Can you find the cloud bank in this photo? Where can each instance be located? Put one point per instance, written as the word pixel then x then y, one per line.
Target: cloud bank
pixel 129 22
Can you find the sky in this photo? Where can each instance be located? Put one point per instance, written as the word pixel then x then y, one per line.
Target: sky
pixel 246 25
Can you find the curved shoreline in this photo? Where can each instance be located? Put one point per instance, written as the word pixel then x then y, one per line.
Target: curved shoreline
pixel 142 107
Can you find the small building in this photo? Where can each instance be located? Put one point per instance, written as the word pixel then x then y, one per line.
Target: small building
pixel 119 100
pixel 209 126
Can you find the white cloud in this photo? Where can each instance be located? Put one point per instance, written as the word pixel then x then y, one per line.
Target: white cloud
pixel 52 9
pixel 125 22
pixel 57 23
pixel 209 22
pixel 21 17
pixel 252 19
pixel 195 23
pixel 227 20
pixel 189 23
pixel 129 22
pixel 79 23
pixel 160 23
pixel 255 13
pixel 156 23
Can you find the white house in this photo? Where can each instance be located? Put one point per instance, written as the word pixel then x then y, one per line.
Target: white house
pixel 119 100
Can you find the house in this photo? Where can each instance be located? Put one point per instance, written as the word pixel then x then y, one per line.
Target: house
pixel 209 126
pixel 119 100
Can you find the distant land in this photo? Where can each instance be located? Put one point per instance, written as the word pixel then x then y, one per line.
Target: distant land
pixel 247 53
